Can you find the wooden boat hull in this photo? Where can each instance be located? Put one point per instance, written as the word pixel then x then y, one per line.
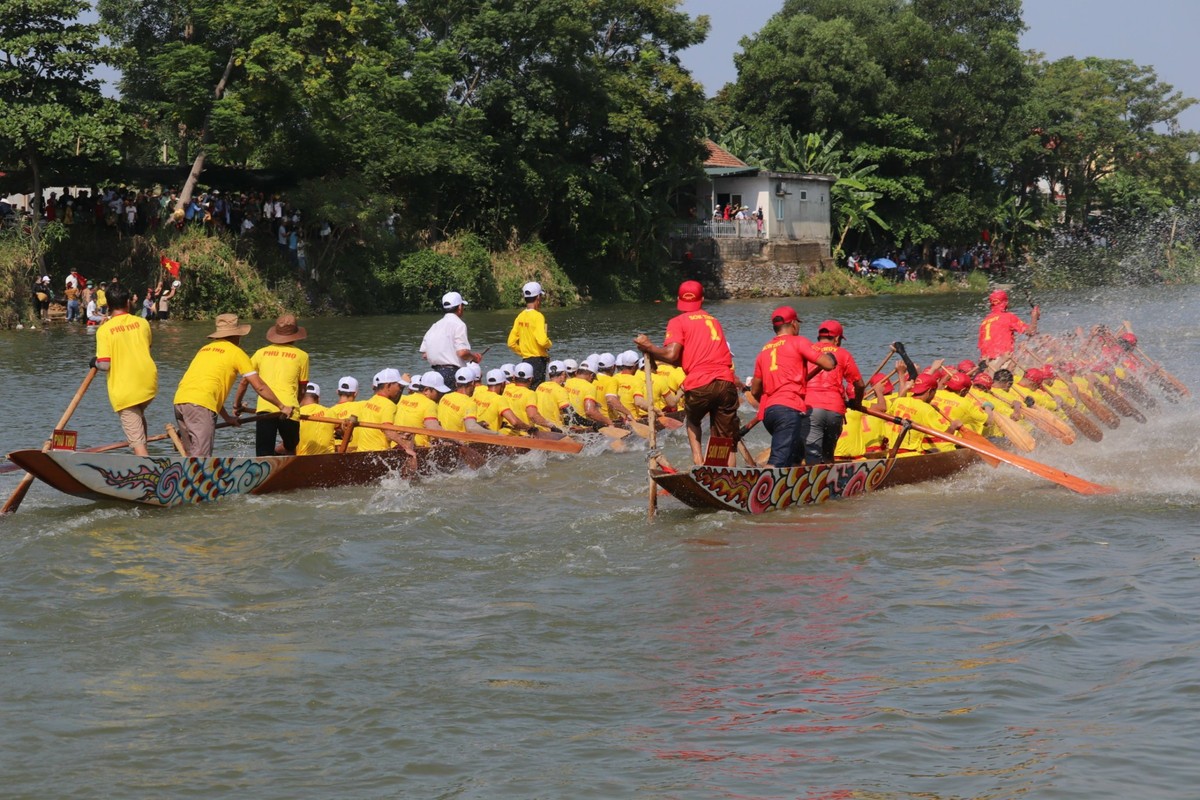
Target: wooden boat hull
pixel 757 490
pixel 166 481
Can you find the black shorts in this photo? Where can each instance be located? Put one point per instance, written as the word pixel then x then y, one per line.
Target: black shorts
pixel 265 431
pixel 719 402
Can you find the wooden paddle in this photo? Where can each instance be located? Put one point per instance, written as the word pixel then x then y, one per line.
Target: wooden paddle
pixel 986 448
pixel 517 442
pixel 1013 431
pixel 613 432
pixel 1083 423
pixel 18 495
pixel 1101 411
pixel 1045 420
pixel 1163 378
pixel 1119 403
pixel 173 433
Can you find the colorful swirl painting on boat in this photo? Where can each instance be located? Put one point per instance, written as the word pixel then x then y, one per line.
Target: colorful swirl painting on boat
pixel 171 482
pixel 760 490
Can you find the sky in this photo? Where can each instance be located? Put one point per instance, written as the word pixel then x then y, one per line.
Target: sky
pixel 1156 33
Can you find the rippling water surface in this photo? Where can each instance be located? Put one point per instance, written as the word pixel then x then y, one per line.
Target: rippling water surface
pixel 526 633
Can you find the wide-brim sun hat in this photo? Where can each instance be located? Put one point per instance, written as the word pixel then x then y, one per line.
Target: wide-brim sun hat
pixel 228 326
pixel 285 330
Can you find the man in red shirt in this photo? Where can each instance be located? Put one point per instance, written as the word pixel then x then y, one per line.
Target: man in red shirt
pixel 780 385
pixel 696 342
pixel 827 395
pixel 1000 326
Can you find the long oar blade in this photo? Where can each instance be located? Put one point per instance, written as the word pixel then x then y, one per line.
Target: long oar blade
pixel 1065 479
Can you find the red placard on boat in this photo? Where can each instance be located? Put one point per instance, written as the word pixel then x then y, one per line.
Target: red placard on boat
pixel 717 454
pixel 63 440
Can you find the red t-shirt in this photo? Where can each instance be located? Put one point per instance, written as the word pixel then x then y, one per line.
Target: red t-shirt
pixel 827 389
pixel 996 333
pixel 783 366
pixel 706 354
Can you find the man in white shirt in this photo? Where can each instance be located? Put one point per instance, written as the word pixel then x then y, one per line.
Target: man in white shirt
pixel 445 345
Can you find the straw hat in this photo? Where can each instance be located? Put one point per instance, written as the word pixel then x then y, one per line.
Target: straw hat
pixel 228 327
pixel 286 330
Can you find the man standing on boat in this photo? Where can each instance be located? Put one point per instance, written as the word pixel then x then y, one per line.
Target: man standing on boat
pixel 206 383
pixel 826 395
pixel 696 341
pixel 445 345
pixel 1000 327
pixel 529 338
pixel 780 385
pixel 283 367
pixel 123 351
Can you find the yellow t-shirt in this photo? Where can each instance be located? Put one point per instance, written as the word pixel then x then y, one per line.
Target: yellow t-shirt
pixel 606 385
pixel 629 387
pixel 211 374
pixel 454 409
pixel 579 391
pixel 412 412
pixel 551 397
pixel 340 411
pixel 101 298
pixel 374 409
pixel 132 375
pixel 282 367
pixel 489 406
pixel 520 398
pixel 960 409
pixel 528 337
pixel 921 413
pixel 316 438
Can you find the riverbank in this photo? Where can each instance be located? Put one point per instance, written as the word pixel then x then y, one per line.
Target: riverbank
pixel 254 277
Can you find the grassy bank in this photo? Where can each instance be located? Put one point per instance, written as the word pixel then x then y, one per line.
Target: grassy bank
pixel 840 282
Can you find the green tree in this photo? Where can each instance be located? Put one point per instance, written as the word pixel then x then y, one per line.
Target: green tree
pixel 52 112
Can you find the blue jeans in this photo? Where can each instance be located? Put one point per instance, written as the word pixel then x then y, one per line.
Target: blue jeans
pixel 823 432
pixel 789 430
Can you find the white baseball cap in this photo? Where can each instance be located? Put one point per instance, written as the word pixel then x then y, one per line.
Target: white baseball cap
pixel 607 360
pixel 627 358
pixel 414 383
pixel 464 375
pixel 590 364
pixel 312 389
pixel 452 300
pixel 507 369
pixel 476 370
pixel 531 290
pixel 388 375
pixel 556 367
pixel 523 371
pixel 570 366
pixel 495 377
pixel 348 385
pixel 434 380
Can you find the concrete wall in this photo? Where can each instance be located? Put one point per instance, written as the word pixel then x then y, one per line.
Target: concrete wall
pixel 749 267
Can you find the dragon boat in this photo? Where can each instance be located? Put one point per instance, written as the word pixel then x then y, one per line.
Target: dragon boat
pixel 167 481
pixel 758 490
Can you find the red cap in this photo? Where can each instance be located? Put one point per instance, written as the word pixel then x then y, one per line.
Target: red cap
pixel 1048 373
pixel 924 383
pixel 958 381
pixel 966 365
pixel 832 327
pixel 1035 375
pixel 691 296
pixel 983 380
pixel 1068 367
pixel 1129 337
pixel 784 314
pixel 998 297
pixel 884 385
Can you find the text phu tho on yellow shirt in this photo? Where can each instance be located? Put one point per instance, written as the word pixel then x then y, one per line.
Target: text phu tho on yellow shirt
pixel 412 412
pixel 282 367
pixel 373 409
pixel 211 374
pixel 528 337
pixel 551 397
pixel 316 438
pixel 132 374
pixel 454 409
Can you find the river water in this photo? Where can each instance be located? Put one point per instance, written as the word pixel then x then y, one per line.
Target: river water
pixel 527 633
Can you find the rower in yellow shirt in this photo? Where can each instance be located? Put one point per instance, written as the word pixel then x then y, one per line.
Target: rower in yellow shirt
pixel 916 407
pixel 420 409
pixel 552 397
pixel 380 407
pixel 581 391
pixel 495 410
pixel 955 405
pixel 523 400
pixel 283 367
pixel 457 410
pixel 865 436
pixel 316 438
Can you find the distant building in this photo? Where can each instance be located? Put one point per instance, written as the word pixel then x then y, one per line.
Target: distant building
pixel 735 256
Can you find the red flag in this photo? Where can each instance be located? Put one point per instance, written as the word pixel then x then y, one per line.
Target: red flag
pixel 170 266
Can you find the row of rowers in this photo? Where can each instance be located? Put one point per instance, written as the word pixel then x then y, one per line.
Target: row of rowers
pixel 968 398
pixel 598 391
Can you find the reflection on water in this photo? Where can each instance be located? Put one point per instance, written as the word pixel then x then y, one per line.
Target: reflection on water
pixel 526 632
